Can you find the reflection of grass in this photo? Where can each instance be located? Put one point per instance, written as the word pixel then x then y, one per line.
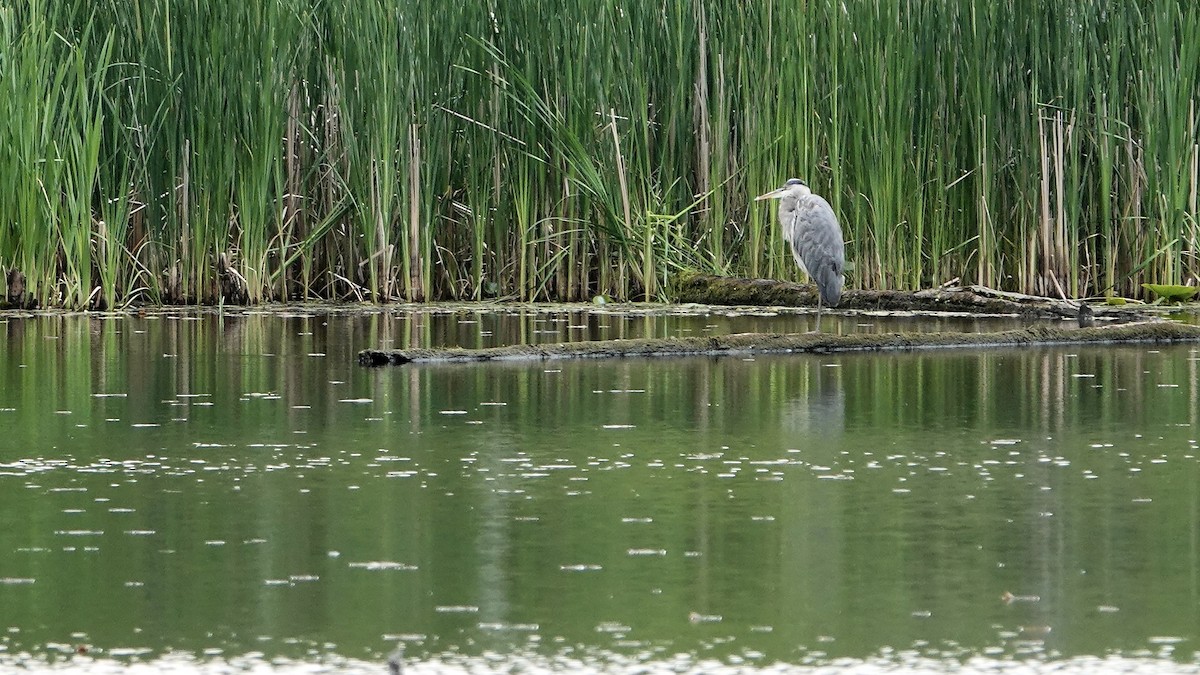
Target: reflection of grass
pixel 657 485
pixel 388 149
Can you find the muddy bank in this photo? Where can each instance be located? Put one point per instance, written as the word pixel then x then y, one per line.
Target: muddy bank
pixel 760 343
pixel 714 290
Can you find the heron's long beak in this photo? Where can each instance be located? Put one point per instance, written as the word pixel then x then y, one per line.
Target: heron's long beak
pixel 773 194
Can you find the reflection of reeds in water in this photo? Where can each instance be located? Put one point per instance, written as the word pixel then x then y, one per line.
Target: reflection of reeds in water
pixel 400 150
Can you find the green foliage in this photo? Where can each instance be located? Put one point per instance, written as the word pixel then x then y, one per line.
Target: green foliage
pixel 394 150
pixel 1171 292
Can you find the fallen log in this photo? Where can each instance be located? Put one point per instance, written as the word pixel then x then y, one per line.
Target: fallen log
pixel 743 344
pixel 707 289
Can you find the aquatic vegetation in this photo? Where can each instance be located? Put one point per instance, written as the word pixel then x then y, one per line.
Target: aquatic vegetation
pixel 387 150
pixel 1171 292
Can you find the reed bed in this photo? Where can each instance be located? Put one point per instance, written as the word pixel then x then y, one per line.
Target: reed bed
pixel 168 152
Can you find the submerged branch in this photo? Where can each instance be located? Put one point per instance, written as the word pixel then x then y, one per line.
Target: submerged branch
pixel 743 344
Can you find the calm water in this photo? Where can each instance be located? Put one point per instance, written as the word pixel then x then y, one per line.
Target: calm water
pixel 196 494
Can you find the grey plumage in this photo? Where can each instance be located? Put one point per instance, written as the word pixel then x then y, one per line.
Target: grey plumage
pixel 811 229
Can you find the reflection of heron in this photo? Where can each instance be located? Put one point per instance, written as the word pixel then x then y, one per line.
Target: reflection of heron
pixel 812 230
pixel 815 413
pixel 394 660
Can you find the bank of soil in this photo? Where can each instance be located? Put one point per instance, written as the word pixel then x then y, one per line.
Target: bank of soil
pixel 714 290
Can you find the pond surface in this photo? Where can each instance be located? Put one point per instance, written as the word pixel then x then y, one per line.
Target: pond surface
pixel 195 494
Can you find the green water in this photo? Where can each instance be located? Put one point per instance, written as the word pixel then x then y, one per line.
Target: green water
pixel 194 494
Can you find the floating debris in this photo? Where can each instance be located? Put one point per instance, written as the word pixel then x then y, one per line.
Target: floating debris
pixel 1036 632
pixel 647 552
pixel 499 626
pixel 376 565
pixel 1009 598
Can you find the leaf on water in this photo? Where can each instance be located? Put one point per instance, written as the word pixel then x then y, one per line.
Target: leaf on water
pixel 1171 292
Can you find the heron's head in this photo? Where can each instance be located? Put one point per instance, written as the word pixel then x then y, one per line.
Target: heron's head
pixel 794 187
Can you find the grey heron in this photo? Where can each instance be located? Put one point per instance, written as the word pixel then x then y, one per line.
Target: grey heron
pixel 811 228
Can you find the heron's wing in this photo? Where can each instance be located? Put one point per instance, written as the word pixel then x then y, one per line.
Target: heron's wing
pixel 817 244
pixel 790 219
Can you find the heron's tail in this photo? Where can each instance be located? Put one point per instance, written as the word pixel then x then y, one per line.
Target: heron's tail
pixel 829 282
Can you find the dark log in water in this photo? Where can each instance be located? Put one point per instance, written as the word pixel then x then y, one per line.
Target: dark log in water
pixel 743 344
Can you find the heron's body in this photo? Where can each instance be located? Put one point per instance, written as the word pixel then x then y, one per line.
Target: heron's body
pixel 811 229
